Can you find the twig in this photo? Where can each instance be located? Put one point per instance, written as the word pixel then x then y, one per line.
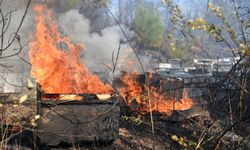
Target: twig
pixel 125 35
pixel 217 143
pixel 23 59
pixel 116 59
pixel 19 27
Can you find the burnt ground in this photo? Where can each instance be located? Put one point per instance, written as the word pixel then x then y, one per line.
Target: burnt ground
pixel 135 132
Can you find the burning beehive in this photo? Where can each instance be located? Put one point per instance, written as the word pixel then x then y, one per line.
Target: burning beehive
pixel 151 98
pixel 86 119
pixel 59 70
pixel 74 104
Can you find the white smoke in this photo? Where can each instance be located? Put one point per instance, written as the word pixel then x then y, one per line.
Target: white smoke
pixel 12 76
pixel 99 46
pixel 17 9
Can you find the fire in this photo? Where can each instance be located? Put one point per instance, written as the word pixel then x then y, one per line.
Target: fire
pixel 142 93
pixel 59 70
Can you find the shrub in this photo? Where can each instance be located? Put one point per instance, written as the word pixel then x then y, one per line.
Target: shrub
pixel 148 26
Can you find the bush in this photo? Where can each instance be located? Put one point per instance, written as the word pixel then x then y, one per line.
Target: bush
pixel 148 26
pixel 69 4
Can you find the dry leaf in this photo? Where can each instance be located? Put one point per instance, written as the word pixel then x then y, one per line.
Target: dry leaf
pixel 30 85
pixel 37 117
pixel 23 98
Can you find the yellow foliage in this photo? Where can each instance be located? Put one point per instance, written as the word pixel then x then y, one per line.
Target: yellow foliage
pixel 200 21
pixel 23 98
pixel 30 85
pixel 210 5
pixel 174 138
pixel 37 117
pixel 164 2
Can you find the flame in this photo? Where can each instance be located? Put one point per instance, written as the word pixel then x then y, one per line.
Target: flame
pixel 141 94
pixel 55 69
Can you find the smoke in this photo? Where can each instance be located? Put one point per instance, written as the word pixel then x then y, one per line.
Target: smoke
pixel 17 9
pixel 99 47
pixel 15 69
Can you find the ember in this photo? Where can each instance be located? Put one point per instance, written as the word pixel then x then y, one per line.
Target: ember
pixel 59 70
pixel 142 93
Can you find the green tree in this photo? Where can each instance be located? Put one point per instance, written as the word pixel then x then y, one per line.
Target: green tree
pixel 148 26
pixel 71 4
pixel 65 5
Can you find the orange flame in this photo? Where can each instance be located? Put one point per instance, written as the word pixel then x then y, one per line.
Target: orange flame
pixel 141 94
pixel 57 70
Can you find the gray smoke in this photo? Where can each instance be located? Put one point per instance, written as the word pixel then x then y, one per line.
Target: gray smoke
pixel 17 8
pixel 97 54
pixel 12 75
pixel 99 47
